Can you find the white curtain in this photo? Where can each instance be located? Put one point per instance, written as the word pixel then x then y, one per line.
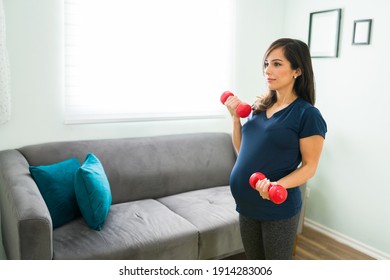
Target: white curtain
pixel 5 100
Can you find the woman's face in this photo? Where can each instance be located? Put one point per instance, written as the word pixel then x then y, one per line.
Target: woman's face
pixel 278 72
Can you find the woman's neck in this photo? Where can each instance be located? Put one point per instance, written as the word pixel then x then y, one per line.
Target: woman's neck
pixel 285 98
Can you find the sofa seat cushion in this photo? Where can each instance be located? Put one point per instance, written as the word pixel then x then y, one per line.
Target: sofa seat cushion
pixel 212 212
pixel 144 229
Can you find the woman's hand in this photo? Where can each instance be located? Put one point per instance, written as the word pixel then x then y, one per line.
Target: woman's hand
pixel 262 187
pixel 231 104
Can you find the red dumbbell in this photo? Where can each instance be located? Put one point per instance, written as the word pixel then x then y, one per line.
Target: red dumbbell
pixel 277 194
pixel 243 109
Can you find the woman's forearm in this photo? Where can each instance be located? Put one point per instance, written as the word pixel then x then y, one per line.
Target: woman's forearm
pixel 298 177
pixel 237 134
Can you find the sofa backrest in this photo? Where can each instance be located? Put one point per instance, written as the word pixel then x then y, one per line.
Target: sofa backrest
pixel 149 167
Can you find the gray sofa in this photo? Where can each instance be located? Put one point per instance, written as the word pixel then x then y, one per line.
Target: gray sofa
pixel 170 200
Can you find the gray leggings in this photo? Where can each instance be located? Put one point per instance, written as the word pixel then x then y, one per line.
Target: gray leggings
pixel 268 240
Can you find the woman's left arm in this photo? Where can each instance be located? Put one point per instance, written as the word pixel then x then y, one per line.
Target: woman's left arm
pixel 311 148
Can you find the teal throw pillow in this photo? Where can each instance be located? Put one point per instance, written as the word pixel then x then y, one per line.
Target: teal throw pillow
pixel 56 184
pixel 93 192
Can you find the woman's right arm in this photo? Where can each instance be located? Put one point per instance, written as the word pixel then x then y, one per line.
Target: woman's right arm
pixel 237 134
pixel 231 103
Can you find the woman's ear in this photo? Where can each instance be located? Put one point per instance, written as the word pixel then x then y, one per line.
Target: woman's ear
pixel 298 72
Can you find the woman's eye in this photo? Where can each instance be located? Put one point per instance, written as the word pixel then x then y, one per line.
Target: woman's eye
pixel 274 64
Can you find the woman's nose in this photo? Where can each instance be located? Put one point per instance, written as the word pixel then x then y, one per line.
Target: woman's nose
pixel 267 71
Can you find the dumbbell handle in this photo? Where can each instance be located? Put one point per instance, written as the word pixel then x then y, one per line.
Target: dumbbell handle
pixel 277 193
pixel 243 109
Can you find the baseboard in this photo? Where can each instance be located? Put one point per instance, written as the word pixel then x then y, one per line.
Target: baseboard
pixel 357 245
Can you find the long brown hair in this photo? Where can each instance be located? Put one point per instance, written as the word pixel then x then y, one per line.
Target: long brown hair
pixel 298 54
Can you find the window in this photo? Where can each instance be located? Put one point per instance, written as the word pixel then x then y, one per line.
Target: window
pixel 133 60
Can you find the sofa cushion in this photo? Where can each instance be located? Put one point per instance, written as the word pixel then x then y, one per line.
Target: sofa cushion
pixel 212 212
pixel 143 229
pixel 93 192
pixel 55 182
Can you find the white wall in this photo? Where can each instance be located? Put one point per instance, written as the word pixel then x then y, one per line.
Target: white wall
pixel 350 192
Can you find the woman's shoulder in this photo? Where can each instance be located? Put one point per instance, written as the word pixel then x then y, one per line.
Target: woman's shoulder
pixel 303 103
pixel 306 107
pixel 311 117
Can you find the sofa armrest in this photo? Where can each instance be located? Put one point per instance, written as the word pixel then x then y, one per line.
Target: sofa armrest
pixel 25 220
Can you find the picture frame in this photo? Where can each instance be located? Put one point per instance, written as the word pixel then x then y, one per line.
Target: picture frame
pixel 324 33
pixel 362 32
